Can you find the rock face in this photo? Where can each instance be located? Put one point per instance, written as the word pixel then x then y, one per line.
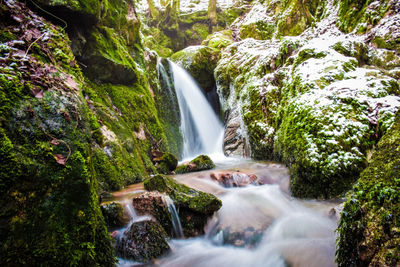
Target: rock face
pixel 234 139
pixel 369 226
pixel 200 163
pixel 69 130
pixel 50 214
pixel 317 102
pixel 143 241
pixel 194 207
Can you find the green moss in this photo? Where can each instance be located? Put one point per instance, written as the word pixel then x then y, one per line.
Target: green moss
pixel 202 162
pixel 360 15
pixel 113 214
pixel 184 196
pixel 200 62
pixel 167 163
pixel 131 245
pixel 370 222
pixel 219 40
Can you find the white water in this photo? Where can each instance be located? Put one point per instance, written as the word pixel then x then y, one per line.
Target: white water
pixel 288 233
pixel 201 129
pixel 176 223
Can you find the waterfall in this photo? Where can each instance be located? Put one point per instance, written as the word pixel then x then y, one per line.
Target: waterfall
pixel 201 129
pixel 176 223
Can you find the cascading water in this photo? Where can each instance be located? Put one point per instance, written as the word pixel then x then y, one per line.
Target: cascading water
pixel 176 223
pixel 258 226
pixel 200 127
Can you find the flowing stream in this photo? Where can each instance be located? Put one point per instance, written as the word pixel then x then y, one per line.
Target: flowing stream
pixel 259 224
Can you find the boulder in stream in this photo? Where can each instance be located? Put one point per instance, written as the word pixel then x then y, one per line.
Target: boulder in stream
pixel 165 162
pixel 114 214
pixel 200 163
pixel 143 241
pixel 234 179
pixel 193 206
pixel 152 203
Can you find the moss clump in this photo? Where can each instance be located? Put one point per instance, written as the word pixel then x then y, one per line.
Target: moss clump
pixel 166 163
pixel 360 15
pixel 200 62
pixel 113 214
pixel 370 222
pixel 200 163
pixel 184 196
pixel 219 40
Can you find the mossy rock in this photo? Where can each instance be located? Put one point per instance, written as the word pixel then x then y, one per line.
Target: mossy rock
pixel 361 15
pixel 200 62
pixel 113 214
pixel 219 40
pixel 369 226
pixel 200 163
pixel 182 195
pixel 143 241
pixel 194 207
pixel 165 162
pixel 49 204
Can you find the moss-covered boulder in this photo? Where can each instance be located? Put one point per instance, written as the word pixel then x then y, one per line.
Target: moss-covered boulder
pixel 200 62
pixel 113 214
pixel 165 162
pixel 143 241
pixel 194 207
pixel 152 203
pixel 200 163
pixel 219 40
pixel 369 227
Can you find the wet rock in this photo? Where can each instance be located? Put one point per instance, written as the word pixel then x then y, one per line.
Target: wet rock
pixel 234 141
pixel 200 62
pixel 151 203
pixel 336 211
pixel 143 241
pixel 193 206
pixel 234 179
pixel 165 162
pixel 114 214
pixel 200 163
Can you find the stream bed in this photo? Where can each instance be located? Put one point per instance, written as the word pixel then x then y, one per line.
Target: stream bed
pixel 257 225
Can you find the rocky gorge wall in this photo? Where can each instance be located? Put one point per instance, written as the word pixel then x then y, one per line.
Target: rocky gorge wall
pixel 80 114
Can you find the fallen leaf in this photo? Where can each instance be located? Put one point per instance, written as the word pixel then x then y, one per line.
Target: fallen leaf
pixel 60 159
pixel 54 142
pixel 37 92
pixel 70 82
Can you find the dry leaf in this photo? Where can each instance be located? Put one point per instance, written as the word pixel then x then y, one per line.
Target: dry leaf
pixel 37 92
pixel 54 142
pixel 60 159
pixel 70 82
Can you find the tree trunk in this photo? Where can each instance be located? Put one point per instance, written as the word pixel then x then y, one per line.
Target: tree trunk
pixel 212 12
